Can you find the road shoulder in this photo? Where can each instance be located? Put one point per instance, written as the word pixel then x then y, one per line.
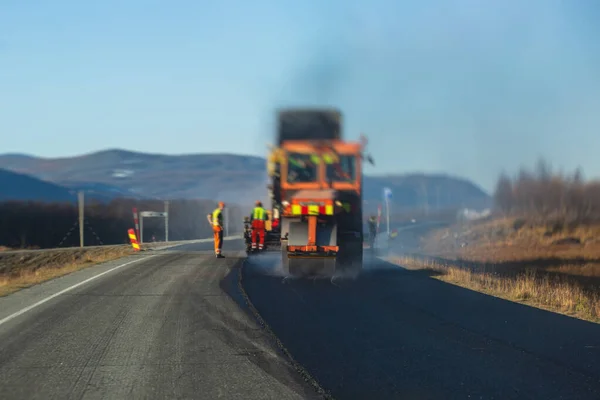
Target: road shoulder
pixel 28 297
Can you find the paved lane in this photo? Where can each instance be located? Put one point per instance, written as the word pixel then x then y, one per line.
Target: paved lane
pixel 164 327
pixel 397 334
pixel 174 326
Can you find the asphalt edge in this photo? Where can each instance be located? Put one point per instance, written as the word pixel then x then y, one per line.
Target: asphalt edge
pixel 256 314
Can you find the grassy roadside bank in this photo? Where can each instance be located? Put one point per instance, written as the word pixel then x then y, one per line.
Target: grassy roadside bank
pixel 533 288
pixel 545 267
pixel 21 270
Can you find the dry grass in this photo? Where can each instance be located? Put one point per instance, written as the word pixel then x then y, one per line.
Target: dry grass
pixel 511 241
pixel 519 261
pixel 21 270
pixel 532 288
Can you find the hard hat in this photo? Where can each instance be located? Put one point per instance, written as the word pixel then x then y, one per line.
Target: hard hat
pixel 221 204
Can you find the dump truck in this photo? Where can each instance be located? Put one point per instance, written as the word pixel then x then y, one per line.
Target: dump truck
pixel 316 193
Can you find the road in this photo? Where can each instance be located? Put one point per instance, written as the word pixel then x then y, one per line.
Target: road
pixel 394 333
pixel 175 325
pixel 166 326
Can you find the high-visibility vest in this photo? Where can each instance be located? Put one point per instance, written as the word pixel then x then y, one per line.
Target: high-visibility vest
pixel 217 217
pixel 259 213
pixel 330 158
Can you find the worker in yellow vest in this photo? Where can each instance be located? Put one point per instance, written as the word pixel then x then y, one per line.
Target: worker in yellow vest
pixel 216 220
pixel 258 218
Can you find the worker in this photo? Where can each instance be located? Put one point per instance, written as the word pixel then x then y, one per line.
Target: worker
pixel 372 230
pixel 275 159
pixel 258 218
pixel 302 168
pixel 216 220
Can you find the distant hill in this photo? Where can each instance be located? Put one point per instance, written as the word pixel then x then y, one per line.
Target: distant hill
pixel 228 177
pixel 22 187
pixel 435 191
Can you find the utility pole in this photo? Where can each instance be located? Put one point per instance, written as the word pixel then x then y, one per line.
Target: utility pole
pixel 387 194
pixel 141 229
pixel 166 220
pixel 387 215
pixel 80 202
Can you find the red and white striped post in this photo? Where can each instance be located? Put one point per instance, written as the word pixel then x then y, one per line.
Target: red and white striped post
pixel 137 221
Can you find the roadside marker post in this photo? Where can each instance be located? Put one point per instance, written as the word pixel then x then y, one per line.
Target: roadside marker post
pixel 133 240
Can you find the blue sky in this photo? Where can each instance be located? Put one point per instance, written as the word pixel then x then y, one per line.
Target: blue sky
pixel 463 87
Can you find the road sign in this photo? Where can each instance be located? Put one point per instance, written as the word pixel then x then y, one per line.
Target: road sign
pixel 153 214
pixel 387 193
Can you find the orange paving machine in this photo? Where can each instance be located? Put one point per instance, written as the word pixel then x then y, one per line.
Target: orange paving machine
pixel 316 193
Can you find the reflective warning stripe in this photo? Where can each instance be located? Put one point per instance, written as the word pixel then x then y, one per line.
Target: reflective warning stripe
pixel 133 240
pixel 313 209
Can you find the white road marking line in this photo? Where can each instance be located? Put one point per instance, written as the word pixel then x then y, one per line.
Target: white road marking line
pixel 39 303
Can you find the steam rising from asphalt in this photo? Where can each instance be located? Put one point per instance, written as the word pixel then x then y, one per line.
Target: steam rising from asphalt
pixel 269 264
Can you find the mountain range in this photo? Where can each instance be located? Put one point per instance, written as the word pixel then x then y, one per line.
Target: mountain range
pixel 115 173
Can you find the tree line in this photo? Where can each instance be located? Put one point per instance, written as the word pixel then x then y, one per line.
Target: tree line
pixel 543 195
pixel 50 225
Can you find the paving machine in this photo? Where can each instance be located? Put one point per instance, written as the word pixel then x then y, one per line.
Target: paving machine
pixel 316 194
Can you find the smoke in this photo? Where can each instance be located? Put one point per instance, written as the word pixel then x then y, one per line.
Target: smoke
pixel 468 87
pixel 321 77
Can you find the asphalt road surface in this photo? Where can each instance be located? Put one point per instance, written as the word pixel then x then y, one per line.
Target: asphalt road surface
pixel 175 325
pixel 165 327
pixel 398 334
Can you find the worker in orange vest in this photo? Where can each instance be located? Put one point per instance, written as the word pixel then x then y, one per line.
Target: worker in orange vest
pixel 216 220
pixel 258 218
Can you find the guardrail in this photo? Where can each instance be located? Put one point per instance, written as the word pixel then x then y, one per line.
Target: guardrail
pixel 146 246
